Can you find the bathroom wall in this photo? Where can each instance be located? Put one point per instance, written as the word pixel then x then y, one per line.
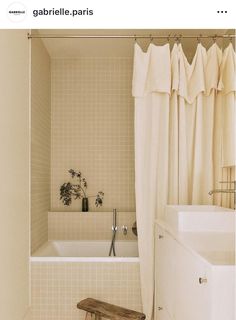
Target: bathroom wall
pixel 40 143
pixel 227 199
pixel 14 172
pixel 92 129
pixel 89 226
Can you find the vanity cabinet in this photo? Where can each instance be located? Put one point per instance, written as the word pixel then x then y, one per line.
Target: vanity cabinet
pixel 161 312
pixel 182 291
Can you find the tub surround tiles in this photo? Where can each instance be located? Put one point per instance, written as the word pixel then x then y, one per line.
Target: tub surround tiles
pixel 230 176
pixel 40 143
pixel 88 225
pixel 58 287
pixel 92 129
pixel 225 199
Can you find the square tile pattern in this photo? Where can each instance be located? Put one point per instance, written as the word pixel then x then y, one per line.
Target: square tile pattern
pixel 40 143
pixel 57 287
pixel 89 225
pixel 93 130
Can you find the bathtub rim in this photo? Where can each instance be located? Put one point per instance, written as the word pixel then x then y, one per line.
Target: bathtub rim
pixel 85 259
pixel 53 258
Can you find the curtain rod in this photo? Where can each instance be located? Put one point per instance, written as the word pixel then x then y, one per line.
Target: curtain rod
pixel 135 37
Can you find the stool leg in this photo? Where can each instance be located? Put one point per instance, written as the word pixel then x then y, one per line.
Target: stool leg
pixel 88 316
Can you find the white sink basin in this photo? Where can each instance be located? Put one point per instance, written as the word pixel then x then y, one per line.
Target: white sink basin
pixel 200 218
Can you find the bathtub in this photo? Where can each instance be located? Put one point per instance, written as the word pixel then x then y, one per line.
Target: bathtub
pixel 90 251
pixel 65 272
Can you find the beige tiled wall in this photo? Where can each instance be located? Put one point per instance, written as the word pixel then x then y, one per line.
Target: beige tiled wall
pixel 226 199
pixel 88 225
pixel 92 129
pixel 228 174
pixel 40 143
pixel 57 287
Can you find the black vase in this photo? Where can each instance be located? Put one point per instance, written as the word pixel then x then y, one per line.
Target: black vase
pixel 85 206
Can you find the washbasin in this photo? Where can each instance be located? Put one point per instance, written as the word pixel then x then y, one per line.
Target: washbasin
pixel 200 218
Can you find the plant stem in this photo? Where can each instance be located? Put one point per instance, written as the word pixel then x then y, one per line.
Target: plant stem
pixel 82 190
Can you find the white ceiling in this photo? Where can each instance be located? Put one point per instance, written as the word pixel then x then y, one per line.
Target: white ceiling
pixel 118 47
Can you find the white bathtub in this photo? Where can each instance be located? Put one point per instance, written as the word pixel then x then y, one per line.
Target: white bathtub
pixel 65 272
pixel 86 251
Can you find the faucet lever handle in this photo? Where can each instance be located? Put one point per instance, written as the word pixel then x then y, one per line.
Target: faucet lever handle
pixel 124 230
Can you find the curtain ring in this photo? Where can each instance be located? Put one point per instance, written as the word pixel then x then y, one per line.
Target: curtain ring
pixel 168 38
pixel 231 39
pixel 151 38
pixel 214 38
pixel 199 38
pixel 180 38
pixel 177 39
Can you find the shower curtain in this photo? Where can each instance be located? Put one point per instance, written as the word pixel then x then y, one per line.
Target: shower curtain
pixel 184 117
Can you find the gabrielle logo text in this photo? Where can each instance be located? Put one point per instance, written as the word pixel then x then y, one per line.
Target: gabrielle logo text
pixel 16 11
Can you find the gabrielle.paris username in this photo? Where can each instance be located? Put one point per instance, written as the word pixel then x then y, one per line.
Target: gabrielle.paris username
pixel 62 12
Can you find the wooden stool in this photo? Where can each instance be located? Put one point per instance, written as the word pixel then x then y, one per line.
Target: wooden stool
pixel 102 309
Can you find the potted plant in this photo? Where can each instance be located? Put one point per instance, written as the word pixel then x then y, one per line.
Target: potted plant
pixel 69 191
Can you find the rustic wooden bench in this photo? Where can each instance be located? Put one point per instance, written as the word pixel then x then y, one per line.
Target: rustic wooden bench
pixel 102 309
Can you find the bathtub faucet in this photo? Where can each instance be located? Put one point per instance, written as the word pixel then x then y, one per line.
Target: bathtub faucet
pixel 114 229
pixel 114 226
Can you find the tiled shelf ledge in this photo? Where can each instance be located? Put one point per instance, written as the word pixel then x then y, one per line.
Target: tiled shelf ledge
pixel 88 225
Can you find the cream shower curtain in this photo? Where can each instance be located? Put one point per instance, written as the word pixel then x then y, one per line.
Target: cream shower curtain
pixel 184 116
